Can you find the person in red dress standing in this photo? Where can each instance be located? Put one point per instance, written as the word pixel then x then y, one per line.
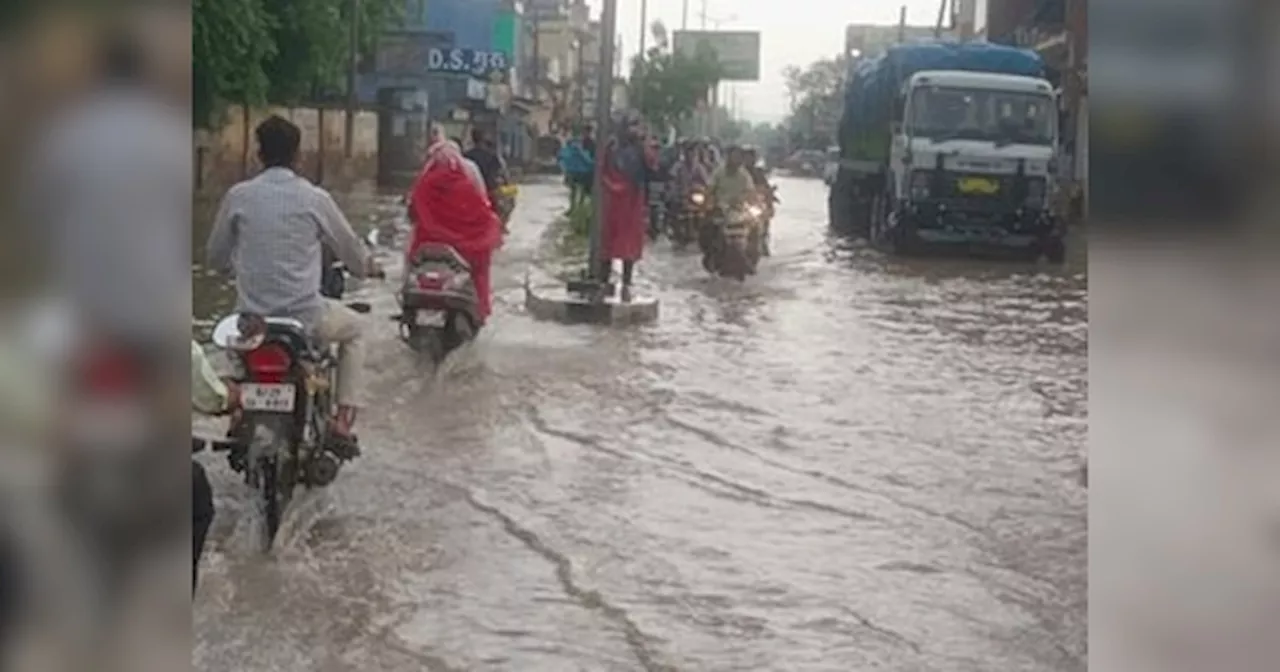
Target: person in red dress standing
pixel 626 168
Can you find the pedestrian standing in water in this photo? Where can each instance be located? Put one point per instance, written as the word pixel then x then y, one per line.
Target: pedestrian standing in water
pixel 626 166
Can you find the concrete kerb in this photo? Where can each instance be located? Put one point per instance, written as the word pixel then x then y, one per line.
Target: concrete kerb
pixel 552 301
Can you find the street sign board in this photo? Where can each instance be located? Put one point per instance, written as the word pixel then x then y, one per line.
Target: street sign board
pixel 737 51
pixel 545 9
pixel 475 62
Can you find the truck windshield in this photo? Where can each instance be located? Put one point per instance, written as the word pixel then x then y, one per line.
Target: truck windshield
pixel 948 113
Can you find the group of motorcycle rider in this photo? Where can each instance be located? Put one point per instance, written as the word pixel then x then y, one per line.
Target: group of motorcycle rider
pixel 737 181
pixel 275 231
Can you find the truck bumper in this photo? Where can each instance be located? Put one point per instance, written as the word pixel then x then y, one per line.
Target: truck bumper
pixel 977 232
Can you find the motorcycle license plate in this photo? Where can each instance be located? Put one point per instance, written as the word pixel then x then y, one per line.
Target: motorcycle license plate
pixel 429 318
pixel 268 398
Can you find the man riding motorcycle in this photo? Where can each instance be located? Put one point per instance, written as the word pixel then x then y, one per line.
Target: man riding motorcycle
pixel 270 231
pixel 688 175
pixel 731 187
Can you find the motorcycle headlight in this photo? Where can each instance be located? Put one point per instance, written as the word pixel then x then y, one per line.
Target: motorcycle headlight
pixel 698 199
pixel 920 185
pixel 1035 194
pixel 755 211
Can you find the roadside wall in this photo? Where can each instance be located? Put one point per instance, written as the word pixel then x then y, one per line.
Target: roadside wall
pixel 228 155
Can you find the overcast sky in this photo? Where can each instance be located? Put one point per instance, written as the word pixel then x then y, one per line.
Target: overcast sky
pixel 793 32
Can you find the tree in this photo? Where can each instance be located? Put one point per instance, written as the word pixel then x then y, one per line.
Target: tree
pixel 256 52
pixel 666 86
pixel 230 41
pixel 816 103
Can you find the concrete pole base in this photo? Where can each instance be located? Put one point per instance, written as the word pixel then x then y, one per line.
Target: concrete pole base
pixel 556 304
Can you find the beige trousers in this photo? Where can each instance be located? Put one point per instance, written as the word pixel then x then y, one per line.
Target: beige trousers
pixel 339 324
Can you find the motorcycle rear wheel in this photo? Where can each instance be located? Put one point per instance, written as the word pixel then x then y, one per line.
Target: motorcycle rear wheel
pixel 274 498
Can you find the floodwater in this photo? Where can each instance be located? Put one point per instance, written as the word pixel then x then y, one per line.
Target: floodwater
pixel 846 463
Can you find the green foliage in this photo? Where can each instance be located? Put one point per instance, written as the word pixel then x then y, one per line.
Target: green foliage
pixel 666 87
pixel 257 52
pixel 230 40
pixel 816 103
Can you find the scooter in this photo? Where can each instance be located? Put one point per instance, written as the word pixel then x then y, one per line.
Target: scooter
pixel 439 303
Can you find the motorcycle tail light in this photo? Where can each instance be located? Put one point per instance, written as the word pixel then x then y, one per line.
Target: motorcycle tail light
pixel 268 364
pixel 430 281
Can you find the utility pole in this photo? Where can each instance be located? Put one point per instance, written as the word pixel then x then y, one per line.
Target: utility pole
pixel 644 24
pixel 968 10
pixel 684 15
pixel 604 105
pixel 902 25
pixel 537 57
pixel 353 97
pixel 634 102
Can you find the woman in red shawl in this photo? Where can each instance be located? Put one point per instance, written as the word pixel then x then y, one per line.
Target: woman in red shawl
pixel 449 205
pixel 624 172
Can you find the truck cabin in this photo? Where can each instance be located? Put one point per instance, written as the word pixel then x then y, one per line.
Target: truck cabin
pixel 941 106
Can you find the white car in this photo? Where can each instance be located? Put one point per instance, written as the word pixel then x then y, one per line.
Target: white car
pixel 832 166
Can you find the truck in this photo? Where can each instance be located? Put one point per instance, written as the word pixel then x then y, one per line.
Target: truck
pixel 950 146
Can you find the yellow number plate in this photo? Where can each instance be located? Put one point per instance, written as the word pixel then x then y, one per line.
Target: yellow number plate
pixel 978 185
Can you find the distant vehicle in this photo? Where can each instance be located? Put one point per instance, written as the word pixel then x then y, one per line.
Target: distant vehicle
pixel 806 163
pixel 832 166
pixel 950 146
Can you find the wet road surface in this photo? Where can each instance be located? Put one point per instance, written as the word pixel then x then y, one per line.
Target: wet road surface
pixel 846 463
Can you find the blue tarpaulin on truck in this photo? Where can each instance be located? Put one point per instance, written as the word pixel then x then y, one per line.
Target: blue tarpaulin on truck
pixel 874 84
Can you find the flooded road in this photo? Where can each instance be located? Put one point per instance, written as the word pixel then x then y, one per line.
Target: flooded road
pixel 847 463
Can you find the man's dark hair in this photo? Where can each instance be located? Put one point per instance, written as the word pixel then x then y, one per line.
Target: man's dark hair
pixel 120 58
pixel 278 142
pixel 478 137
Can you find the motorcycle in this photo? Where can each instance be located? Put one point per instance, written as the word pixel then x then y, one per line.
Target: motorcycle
pixel 438 301
pixel 731 245
pixel 684 227
pixel 280 439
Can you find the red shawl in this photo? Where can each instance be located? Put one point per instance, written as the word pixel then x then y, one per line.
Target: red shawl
pixel 447 208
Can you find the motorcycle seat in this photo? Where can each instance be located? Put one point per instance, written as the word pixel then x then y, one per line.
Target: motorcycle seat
pixel 438 252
